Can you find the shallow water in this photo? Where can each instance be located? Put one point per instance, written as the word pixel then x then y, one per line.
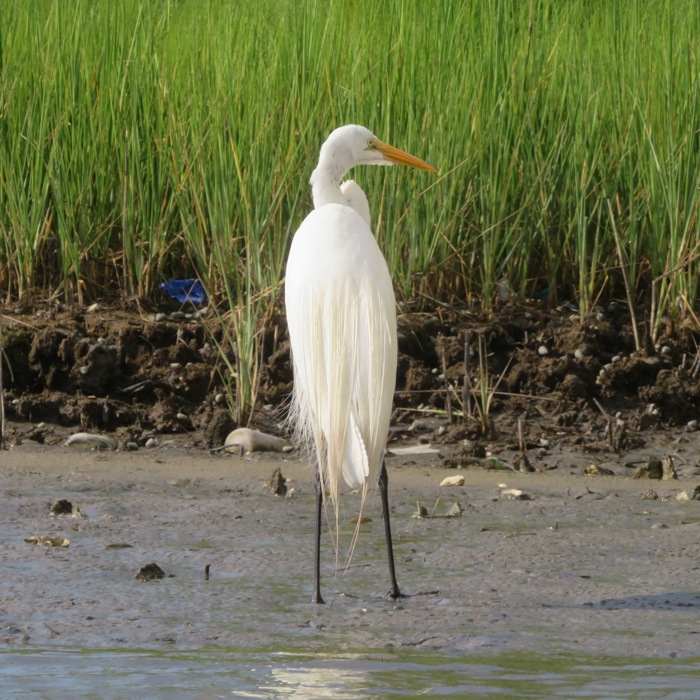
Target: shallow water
pixel 577 593
pixel 241 673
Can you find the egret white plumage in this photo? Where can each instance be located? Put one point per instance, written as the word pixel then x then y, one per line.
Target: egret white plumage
pixel 341 313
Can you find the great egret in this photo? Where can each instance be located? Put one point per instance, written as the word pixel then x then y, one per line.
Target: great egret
pixel 341 313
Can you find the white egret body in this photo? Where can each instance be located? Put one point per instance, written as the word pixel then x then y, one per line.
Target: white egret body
pixel 341 313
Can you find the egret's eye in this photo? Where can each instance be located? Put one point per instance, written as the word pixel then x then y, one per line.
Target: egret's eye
pixel 371 146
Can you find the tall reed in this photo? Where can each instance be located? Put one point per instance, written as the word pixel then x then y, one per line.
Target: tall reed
pixel 145 140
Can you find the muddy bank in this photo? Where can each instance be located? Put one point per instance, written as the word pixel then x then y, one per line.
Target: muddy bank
pixel 582 564
pixel 140 375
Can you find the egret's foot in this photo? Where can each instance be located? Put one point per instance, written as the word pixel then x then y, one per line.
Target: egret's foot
pixel 318 599
pixel 395 593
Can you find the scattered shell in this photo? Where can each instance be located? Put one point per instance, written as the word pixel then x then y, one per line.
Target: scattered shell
pixel 669 471
pixel 457 480
pixel 277 483
pixel 91 441
pixel 595 470
pixel 651 495
pixel 61 507
pixel 248 441
pixel 455 512
pixel 422 512
pixel 151 442
pixel 542 350
pixel 651 470
pixel 691 426
pixel 516 494
pixel 48 540
pixel 150 572
pixel 425 449
pixel 682 496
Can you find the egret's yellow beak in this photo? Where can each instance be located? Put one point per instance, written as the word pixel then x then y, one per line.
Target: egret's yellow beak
pixel 394 155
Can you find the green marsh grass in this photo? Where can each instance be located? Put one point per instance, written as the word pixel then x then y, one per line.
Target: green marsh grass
pixel 146 140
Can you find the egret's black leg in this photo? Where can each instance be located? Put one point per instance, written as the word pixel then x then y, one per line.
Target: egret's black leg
pixel 383 481
pixel 317 552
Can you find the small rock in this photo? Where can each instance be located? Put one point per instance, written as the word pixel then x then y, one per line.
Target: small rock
pixel 682 496
pixel 653 469
pixel 151 442
pixel 277 483
pixel 515 494
pixel 691 426
pixel 61 507
pixel 473 449
pixel 457 480
pixel 659 526
pixel 595 470
pixel 669 471
pixel 150 572
pixel 651 495
pixel 696 494
pixel 542 350
pixel 455 512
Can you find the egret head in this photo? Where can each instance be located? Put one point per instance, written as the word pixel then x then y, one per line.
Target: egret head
pixel 353 145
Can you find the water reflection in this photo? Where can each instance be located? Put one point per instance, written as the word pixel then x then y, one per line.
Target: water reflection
pixel 220 672
pixel 323 679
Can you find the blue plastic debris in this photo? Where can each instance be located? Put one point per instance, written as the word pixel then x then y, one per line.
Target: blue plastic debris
pixel 185 290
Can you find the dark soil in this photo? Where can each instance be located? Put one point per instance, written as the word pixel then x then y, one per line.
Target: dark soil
pixel 121 371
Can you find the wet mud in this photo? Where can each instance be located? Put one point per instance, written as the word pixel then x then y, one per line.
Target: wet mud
pixel 572 564
pixel 559 540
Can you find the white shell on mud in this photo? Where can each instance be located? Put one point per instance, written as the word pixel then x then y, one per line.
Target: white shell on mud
pixel 516 494
pixel 457 480
pixel 254 441
pixel 48 540
pixel 91 441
